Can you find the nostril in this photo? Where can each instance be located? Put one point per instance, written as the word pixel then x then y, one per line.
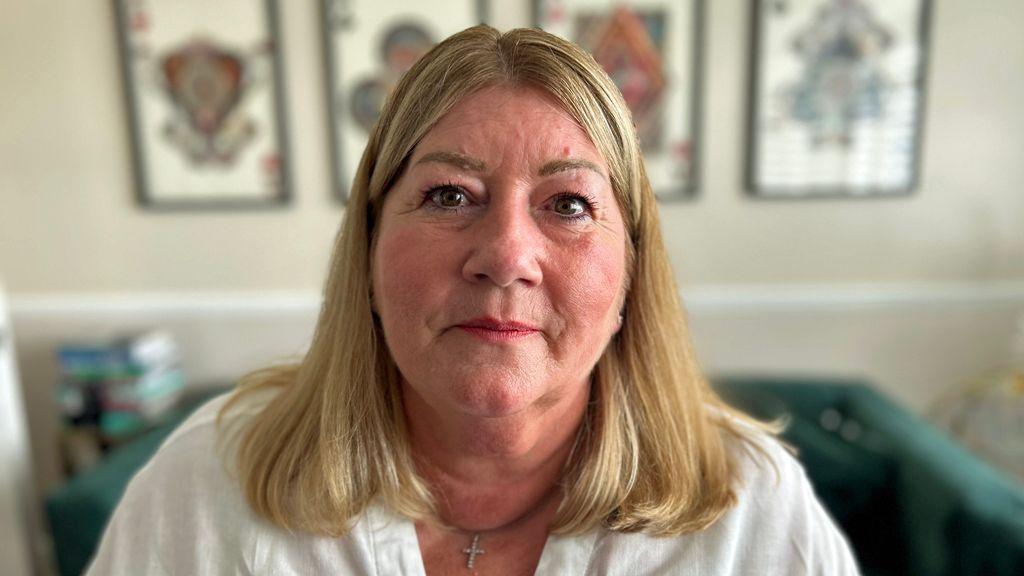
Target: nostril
pixel 505 250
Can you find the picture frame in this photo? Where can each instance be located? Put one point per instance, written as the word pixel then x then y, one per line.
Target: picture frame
pixel 203 84
pixel 368 45
pixel 653 50
pixel 837 97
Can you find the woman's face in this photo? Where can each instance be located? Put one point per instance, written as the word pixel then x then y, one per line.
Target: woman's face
pixel 499 263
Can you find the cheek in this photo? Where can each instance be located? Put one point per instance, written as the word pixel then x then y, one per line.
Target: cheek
pixel 590 277
pixel 406 273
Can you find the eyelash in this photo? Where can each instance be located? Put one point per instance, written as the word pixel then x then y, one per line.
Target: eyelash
pixel 430 191
pixel 588 201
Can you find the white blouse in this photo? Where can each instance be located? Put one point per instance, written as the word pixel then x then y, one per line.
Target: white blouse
pixel 183 513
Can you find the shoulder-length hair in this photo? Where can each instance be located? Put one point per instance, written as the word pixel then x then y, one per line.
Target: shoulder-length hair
pixel 650 454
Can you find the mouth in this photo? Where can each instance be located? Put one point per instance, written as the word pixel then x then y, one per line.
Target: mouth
pixel 494 330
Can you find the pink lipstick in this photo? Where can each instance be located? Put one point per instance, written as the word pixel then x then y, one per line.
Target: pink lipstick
pixel 494 330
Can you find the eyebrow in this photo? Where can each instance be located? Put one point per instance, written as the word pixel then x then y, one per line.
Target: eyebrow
pixel 455 159
pixel 567 164
pixel 474 165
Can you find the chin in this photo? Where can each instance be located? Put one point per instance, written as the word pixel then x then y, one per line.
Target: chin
pixel 493 395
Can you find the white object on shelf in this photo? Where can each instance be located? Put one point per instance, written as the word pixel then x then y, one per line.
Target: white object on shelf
pixel 15 495
pixel 987 415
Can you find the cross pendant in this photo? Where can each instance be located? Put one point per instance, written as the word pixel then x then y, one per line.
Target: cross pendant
pixel 473 551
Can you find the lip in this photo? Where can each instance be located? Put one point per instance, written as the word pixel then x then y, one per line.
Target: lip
pixel 494 330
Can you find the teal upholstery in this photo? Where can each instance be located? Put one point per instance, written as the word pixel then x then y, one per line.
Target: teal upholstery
pixel 910 500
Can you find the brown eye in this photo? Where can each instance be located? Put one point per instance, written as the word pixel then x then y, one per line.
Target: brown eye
pixel 569 206
pixel 448 197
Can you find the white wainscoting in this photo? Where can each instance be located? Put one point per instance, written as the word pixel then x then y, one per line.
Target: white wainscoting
pixel 916 343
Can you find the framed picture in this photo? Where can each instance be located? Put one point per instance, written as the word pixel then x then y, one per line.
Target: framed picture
pixel 652 50
pixel 837 97
pixel 369 44
pixel 204 92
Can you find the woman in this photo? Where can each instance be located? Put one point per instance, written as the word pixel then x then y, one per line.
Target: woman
pixel 500 380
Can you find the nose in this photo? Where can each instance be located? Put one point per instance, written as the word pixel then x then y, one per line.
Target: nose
pixel 506 247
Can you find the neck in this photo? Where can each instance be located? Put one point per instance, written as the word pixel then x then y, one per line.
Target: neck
pixel 492 473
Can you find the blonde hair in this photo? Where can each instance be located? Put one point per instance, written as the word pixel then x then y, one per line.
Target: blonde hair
pixel 650 454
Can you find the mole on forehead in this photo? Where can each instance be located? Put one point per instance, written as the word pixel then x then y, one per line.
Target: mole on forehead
pixel 471 164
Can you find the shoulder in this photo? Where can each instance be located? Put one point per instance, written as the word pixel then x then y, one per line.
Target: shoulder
pixel 778 518
pixel 198 450
pixel 777 525
pixel 187 488
pixel 767 472
pixel 185 513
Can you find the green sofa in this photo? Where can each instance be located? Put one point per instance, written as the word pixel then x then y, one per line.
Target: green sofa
pixel 910 500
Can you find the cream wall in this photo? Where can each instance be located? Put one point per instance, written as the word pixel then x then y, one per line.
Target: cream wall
pixel 70 224
pixel 69 218
pixel 966 223
pixel 916 293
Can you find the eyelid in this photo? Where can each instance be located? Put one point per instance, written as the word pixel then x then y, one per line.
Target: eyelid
pixel 588 200
pixel 427 196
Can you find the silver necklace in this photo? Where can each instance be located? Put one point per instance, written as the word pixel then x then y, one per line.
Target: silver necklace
pixel 473 551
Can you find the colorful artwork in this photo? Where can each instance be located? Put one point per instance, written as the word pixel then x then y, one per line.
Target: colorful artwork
pixel 366 101
pixel 629 44
pixel 401 46
pixel 206 84
pixel 837 97
pixel 369 45
pixel 843 80
pixel 204 96
pixel 651 50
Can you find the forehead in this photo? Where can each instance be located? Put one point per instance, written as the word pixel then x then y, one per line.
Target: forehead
pixel 503 115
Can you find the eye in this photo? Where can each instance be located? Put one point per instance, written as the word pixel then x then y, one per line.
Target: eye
pixel 448 197
pixel 571 206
